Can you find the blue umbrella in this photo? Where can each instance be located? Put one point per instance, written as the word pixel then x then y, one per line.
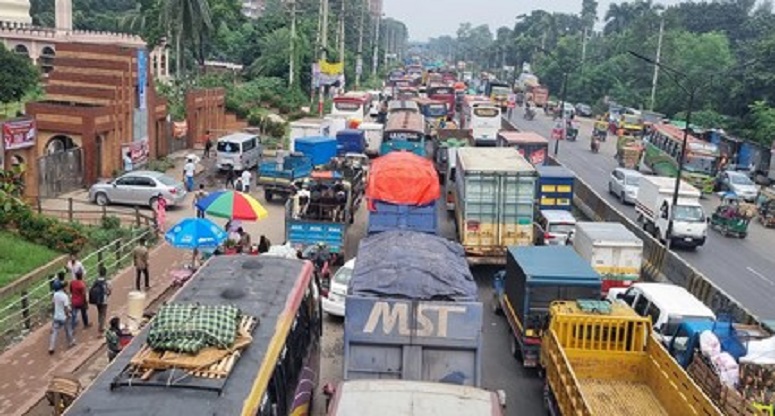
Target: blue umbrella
pixel 195 233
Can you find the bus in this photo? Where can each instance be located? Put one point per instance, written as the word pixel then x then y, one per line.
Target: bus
pixel 482 118
pixel 663 148
pixel 434 112
pixel 405 130
pixel 444 93
pixel 274 372
pixel 353 104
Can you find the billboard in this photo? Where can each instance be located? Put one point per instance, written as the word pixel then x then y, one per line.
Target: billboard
pixel 19 133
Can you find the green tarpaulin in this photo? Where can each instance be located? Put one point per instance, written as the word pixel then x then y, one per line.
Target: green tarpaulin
pixel 189 327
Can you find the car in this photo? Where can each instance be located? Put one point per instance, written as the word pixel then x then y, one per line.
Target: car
pixel 554 227
pixel 583 110
pixel 739 183
pixel 623 183
pixel 141 188
pixel 333 299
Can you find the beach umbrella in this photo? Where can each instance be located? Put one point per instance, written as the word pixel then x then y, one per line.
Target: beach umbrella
pixel 195 233
pixel 233 205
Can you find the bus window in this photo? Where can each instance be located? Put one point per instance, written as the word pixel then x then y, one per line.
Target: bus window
pixel 486 112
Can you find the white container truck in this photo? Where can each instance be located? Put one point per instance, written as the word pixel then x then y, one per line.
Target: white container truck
pixel 307 127
pixel 373 132
pixel 653 205
pixel 613 251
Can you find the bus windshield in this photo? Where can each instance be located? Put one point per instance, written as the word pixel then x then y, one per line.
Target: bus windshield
pixel 348 106
pixel 500 91
pixel 487 112
pixel 701 164
pixel 435 110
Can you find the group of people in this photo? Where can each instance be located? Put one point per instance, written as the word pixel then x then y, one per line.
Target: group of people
pixel 71 299
pixel 320 200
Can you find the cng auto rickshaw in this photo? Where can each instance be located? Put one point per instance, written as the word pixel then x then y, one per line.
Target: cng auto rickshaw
pixel 765 206
pixel 629 150
pixel 732 217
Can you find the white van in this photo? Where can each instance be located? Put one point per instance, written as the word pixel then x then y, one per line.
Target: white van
pixel 238 150
pixel 668 305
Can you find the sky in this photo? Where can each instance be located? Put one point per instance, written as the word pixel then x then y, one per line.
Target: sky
pixel 432 18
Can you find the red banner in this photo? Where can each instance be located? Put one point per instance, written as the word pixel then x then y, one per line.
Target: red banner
pixel 138 151
pixel 19 134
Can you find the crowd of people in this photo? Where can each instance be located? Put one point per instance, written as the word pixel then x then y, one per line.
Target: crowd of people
pixel 320 200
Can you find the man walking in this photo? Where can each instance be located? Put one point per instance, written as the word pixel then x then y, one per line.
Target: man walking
pixel 61 312
pixel 208 144
pixel 141 265
pixel 78 301
pixel 98 296
pixel 188 171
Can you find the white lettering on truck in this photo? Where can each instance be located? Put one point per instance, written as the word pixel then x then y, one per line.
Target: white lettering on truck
pixel 399 314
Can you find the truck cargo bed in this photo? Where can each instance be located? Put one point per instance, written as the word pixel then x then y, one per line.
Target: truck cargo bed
pixel 613 398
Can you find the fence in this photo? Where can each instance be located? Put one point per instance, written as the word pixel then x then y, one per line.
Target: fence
pixel 30 305
pixel 78 211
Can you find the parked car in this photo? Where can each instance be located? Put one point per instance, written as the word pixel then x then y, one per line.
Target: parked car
pixel 583 110
pixel 141 188
pixel 739 183
pixel 623 183
pixel 333 301
pixel 554 227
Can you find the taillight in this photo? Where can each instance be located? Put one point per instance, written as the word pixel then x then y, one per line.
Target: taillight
pixel 173 191
pixel 548 236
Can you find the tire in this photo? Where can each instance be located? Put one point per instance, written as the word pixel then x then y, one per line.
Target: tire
pixel 101 199
pixel 516 352
pixel 622 199
pixel 610 188
pixel 496 306
pixel 268 195
pixel 152 202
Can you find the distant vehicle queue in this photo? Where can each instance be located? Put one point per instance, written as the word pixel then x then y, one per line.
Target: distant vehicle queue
pixel 570 290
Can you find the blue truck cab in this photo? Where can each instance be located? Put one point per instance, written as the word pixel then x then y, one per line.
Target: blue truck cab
pixel 686 339
pixel 278 179
pixel 350 141
pixel 535 277
pixel 320 149
pixel 554 188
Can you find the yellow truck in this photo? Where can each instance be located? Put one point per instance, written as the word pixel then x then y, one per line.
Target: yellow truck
pixel 602 359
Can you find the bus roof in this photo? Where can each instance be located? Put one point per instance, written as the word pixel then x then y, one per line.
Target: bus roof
pixel 412 398
pixel 353 96
pixel 270 288
pixel 405 120
pixel 672 131
pixel 427 101
pixel 522 137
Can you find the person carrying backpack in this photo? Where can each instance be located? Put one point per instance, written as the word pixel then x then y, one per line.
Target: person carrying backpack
pixel 98 296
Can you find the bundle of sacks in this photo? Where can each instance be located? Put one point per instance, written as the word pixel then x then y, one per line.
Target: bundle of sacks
pixel 723 362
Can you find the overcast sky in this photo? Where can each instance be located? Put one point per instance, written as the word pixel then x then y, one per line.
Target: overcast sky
pixel 431 18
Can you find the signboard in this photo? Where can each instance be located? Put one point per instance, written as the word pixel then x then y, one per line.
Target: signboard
pixel 142 77
pixel 19 134
pixel 347 105
pixel 139 151
pixel 403 135
pixel 441 91
pixel 179 129
pixel 486 112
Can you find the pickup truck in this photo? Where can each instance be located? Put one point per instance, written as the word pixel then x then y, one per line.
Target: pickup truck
pixel 654 205
pixel 276 181
pixel 601 359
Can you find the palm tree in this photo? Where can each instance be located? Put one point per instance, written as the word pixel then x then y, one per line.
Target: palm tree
pixel 190 22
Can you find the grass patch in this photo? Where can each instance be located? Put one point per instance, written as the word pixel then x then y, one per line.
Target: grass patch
pixel 19 257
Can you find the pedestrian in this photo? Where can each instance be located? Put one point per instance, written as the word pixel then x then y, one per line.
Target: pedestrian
pixel 61 279
pixel 208 144
pixel 246 178
pixel 263 244
pixel 113 338
pixel 279 160
pixel 78 300
pixel 161 212
pixel 61 312
pixel 231 176
pixel 74 265
pixel 98 296
pixel 140 255
pixel 128 164
pixel 189 169
pixel 244 240
pixel 198 197
pixel 238 185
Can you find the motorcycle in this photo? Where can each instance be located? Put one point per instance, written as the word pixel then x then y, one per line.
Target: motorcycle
pixel 529 113
pixel 595 145
pixel 600 134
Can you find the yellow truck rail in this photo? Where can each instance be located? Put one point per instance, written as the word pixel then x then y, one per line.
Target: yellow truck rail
pixel 609 364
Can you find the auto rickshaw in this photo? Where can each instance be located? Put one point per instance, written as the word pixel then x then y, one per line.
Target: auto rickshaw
pixel 765 207
pixel 731 217
pixel 629 150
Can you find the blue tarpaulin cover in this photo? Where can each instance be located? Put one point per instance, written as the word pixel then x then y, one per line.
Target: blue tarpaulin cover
pixel 412 265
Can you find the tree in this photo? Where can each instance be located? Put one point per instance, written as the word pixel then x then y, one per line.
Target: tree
pixel 189 22
pixel 18 76
pixel 763 123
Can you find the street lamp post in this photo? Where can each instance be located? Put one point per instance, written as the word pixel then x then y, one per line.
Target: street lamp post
pixel 563 97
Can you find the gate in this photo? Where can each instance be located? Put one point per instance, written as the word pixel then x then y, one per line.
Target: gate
pixel 174 144
pixel 60 172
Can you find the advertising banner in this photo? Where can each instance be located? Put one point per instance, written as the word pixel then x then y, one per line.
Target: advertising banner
pixel 139 151
pixel 19 134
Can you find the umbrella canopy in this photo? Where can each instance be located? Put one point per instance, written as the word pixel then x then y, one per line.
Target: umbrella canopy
pixel 195 233
pixel 234 205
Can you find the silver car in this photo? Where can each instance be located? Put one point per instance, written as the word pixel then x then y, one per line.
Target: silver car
pixel 623 183
pixel 738 183
pixel 141 187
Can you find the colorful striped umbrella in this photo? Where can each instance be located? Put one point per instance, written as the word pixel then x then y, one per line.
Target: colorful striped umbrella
pixel 233 205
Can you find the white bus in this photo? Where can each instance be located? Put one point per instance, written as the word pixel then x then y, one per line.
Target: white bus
pixel 353 104
pixel 482 118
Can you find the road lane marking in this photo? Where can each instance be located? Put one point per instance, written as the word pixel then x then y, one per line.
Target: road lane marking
pixel 760 276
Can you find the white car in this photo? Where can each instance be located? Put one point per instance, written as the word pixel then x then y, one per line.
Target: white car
pixel 333 301
pixel 623 183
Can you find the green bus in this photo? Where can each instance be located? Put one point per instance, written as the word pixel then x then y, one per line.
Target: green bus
pixel 663 148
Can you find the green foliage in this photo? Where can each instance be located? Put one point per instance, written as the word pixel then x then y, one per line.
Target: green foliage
pixel 18 258
pixel 160 165
pixel 762 119
pixel 18 76
pixel 12 180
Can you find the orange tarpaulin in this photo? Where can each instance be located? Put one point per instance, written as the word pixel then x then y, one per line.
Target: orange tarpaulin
pixel 403 178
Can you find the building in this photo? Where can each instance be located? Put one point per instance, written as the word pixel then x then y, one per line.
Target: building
pixel 375 8
pixel 253 8
pixel 15 11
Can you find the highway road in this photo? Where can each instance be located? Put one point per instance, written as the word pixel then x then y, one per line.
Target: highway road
pixel 743 268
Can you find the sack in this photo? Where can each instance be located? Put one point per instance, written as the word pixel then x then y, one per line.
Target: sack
pixel 97 293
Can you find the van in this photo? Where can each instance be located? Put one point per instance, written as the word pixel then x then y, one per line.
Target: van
pixel 668 305
pixel 554 227
pixel 239 150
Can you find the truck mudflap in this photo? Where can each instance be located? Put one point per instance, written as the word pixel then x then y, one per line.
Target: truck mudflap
pixel 477 255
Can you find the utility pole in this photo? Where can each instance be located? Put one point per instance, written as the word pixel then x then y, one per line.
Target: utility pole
pixel 375 57
pixel 341 34
pixel 387 45
pixel 656 67
pixel 359 61
pixel 584 46
pixel 293 40
pixel 324 46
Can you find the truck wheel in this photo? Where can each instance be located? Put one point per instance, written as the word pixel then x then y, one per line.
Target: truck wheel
pixel 515 350
pixel 496 306
pixel 268 195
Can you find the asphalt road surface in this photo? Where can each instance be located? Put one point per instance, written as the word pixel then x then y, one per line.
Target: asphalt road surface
pixel 743 268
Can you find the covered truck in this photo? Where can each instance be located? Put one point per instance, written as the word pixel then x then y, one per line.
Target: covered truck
pixel 402 191
pixel 555 187
pixel 350 141
pixel 278 179
pixel 414 319
pixel 601 359
pixel 373 133
pixel 320 149
pixel 531 145
pixel 613 251
pixel 534 277
pixel 307 127
pixel 654 208
pixel 494 197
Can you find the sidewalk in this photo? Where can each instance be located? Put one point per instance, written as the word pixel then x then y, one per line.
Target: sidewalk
pixel 27 366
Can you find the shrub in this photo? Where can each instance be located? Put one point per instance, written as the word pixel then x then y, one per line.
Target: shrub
pixel 160 165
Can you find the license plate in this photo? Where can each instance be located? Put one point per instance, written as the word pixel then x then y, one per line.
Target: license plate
pixel 687 239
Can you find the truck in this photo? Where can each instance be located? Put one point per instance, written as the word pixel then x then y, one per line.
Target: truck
pixel 350 141
pixel 533 278
pixel 612 250
pixel 373 133
pixel 384 216
pixel 278 179
pixel 307 127
pixel 531 145
pixel 320 149
pixel 417 319
pixel 540 95
pixel 555 187
pixel 654 208
pixel 601 359
pixel 445 144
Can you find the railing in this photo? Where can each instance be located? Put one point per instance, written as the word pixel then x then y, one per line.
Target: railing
pixel 77 211
pixel 30 306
